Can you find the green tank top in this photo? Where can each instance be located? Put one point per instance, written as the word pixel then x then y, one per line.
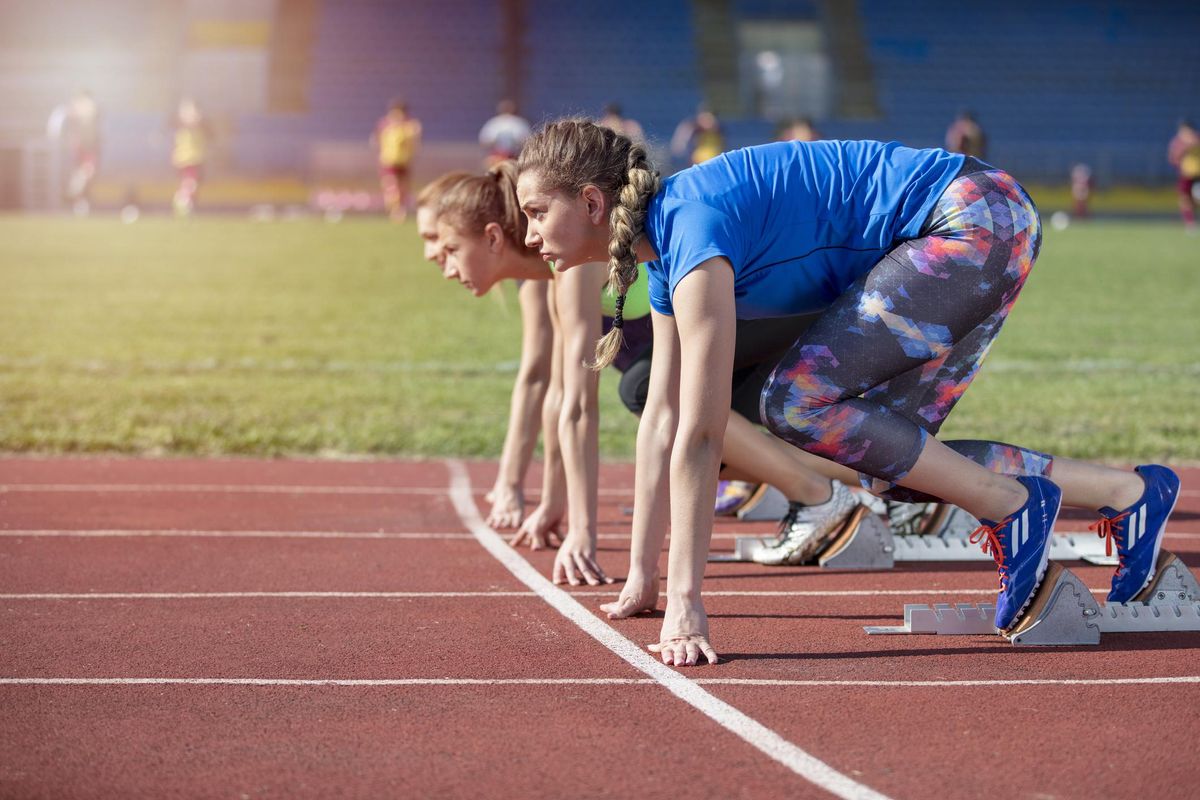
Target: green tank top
pixel 637 299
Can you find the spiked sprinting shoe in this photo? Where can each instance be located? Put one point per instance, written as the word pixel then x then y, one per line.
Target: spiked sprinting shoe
pixel 732 495
pixel 1138 531
pixel 805 530
pixel 1020 545
pixel 908 519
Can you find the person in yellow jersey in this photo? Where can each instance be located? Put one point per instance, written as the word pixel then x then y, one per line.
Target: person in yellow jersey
pixel 397 137
pixel 1184 155
pixel 699 137
pixel 189 151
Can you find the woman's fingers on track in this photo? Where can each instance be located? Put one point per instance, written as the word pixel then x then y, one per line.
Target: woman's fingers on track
pixel 590 569
pixel 564 569
pixel 684 651
pixel 624 607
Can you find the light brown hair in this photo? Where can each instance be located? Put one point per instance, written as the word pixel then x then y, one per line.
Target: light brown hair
pixel 573 153
pixel 475 201
pixel 432 192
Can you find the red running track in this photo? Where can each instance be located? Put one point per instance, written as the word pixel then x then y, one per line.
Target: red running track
pixel 317 629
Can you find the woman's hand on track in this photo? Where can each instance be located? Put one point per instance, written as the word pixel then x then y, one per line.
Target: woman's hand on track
pixel 538 528
pixel 576 562
pixel 684 636
pixel 508 506
pixel 638 596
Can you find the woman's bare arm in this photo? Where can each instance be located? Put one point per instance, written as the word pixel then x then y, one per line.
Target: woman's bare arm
pixel 525 410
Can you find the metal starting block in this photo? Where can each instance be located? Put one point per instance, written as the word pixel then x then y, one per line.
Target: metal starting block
pixel 1063 611
pixel 866 542
pixel 1063 547
pixel 767 503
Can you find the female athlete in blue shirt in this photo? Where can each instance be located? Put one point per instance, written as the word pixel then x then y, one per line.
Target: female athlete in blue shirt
pixel 914 259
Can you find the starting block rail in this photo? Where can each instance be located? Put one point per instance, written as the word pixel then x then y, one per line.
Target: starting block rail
pixel 1065 613
pixel 866 542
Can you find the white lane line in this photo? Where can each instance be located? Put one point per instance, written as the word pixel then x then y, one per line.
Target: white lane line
pixel 324 681
pixel 994 682
pixel 751 682
pixel 254 595
pixel 482 593
pixel 178 534
pixel 736 722
pixel 118 532
pixel 249 488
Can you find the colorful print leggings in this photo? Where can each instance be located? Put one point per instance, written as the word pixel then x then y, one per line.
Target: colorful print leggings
pixel 883 366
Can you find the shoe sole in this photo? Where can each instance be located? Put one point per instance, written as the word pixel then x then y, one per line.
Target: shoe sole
pixel 1040 575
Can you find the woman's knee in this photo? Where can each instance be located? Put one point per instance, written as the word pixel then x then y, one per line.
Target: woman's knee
pixel 791 415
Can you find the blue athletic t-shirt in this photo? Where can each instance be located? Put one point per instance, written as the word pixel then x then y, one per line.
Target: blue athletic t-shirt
pixel 799 221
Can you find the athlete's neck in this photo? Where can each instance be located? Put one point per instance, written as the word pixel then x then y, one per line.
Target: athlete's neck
pixel 644 250
pixel 529 268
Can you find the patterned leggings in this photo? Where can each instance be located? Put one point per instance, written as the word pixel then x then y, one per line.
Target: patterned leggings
pixel 882 367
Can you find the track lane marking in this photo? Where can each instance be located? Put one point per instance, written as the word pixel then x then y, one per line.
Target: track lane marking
pixel 751 682
pixel 243 488
pixel 182 534
pixel 481 593
pixel 736 722
pixel 254 595
pixel 167 532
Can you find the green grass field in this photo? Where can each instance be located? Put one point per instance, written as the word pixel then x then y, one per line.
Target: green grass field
pixel 223 336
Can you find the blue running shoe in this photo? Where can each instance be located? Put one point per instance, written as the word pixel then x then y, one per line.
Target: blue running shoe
pixel 1020 544
pixel 1138 531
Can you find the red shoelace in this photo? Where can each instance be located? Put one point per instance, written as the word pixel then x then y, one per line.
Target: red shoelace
pixel 1108 530
pixel 990 537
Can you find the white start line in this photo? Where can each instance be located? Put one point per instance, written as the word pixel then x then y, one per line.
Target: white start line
pixel 736 722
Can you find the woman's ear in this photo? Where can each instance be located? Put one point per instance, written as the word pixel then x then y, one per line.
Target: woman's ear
pixel 595 204
pixel 495 237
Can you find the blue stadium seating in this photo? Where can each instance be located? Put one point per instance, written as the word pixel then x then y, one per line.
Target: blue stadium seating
pixel 1052 83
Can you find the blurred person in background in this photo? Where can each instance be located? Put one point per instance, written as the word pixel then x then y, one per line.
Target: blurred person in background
pixel 965 135
pixel 502 136
pixel 1184 154
pixel 800 129
pixel 1081 190
pixel 699 138
pixel 77 124
pixel 192 138
pixel 397 137
pixel 623 125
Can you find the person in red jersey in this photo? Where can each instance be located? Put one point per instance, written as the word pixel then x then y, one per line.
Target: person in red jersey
pixel 1184 154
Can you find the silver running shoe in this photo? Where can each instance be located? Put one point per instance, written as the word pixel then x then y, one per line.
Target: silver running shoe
pixel 909 519
pixel 806 530
pixel 930 519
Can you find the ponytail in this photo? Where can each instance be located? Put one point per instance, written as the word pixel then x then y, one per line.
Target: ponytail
pixel 476 201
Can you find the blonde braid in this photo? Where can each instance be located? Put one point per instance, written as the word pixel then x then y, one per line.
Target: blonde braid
pixel 626 222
